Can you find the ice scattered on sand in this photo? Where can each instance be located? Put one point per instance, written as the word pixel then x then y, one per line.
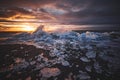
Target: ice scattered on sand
pixel 65 47
pixel 97 67
pixel 20 66
pixel 50 72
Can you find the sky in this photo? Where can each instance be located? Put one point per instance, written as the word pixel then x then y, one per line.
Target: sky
pixel 59 11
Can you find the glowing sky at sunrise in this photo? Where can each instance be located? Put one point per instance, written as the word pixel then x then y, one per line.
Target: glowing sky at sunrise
pixel 27 15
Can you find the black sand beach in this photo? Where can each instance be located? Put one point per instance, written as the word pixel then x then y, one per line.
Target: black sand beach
pixel 17 63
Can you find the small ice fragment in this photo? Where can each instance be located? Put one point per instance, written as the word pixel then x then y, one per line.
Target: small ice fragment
pixel 97 67
pixel 83 76
pixel 21 47
pixel 84 59
pixel 65 63
pixel 32 62
pixel 88 68
pixel 91 54
pixel 18 60
pixel 14 50
pixel 49 72
pixel 77 65
pixel 88 47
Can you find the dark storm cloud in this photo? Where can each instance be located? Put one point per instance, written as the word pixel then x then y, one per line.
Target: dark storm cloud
pixel 8 14
pixel 95 12
pixel 79 11
pixel 11 11
pixel 25 3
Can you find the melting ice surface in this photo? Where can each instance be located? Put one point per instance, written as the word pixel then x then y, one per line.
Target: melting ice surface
pixel 86 47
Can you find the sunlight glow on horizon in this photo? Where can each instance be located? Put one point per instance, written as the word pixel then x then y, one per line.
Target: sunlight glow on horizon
pixel 28 28
pixel 31 27
pixel 19 27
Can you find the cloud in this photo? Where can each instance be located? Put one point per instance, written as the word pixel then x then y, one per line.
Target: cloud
pixel 95 12
pixel 25 3
pixel 12 11
pixel 16 13
pixel 79 11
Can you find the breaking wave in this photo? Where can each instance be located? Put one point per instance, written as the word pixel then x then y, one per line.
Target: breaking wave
pixel 41 38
